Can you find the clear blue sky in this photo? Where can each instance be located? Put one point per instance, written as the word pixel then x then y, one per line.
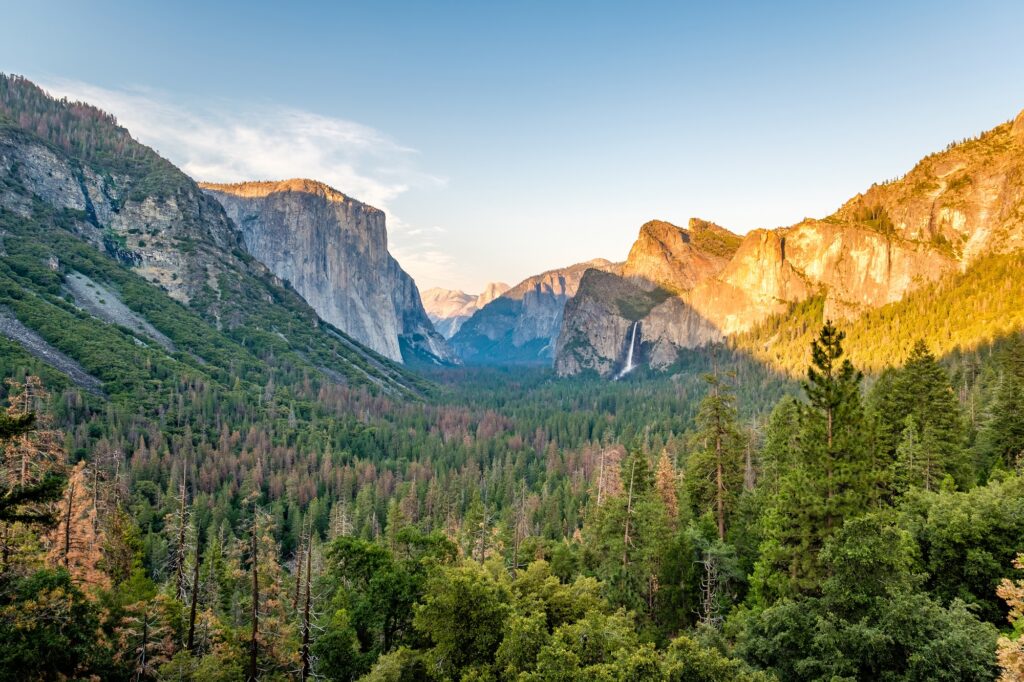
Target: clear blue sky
pixel 509 138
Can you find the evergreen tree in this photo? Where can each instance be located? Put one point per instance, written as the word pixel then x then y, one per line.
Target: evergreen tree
pixel 1001 437
pixel 714 470
pixel 921 389
pixel 832 479
pixel 919 460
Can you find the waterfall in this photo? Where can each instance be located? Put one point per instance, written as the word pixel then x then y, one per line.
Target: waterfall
pixel 628 367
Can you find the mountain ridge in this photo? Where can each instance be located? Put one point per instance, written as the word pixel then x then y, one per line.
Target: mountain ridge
pixel 951 209
pixel 522 325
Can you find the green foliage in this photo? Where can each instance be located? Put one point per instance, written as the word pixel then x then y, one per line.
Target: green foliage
pixel 869 622
pixel 959 313
pixel 87 133
pixel 877 218
pixel 714 469
pixel 47 629
pixel 967 540
pixel 914 408
pixel 832 478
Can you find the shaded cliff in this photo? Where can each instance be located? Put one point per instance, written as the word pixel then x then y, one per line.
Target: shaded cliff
pixel 333 251
pixel 522 325
pixel 139 276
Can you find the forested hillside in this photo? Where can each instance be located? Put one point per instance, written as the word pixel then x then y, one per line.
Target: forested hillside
pixel 684 535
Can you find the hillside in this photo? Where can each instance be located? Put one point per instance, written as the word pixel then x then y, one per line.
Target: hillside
pixel 83 206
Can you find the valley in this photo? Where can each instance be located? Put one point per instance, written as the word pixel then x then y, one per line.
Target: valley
pixel 240 443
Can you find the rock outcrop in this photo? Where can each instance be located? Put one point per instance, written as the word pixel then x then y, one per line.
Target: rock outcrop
pixel 333 251
pixel 665 263
pixel 951 209
pixel 522 325
pixel 176 237
pixel 448 309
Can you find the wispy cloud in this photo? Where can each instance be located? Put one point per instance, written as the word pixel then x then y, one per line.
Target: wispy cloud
pixel 227 141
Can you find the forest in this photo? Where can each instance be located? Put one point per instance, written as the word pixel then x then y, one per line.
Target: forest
pixel 718 523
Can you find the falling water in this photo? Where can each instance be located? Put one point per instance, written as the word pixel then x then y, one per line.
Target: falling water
pixel 628 367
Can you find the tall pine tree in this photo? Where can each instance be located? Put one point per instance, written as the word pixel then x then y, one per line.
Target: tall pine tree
pixel 714 470
pixel 831 480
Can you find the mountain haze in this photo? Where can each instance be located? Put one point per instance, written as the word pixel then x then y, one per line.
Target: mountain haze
pixel 448 308
pixel 522 324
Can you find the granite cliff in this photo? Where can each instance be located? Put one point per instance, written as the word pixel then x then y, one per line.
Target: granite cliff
pixel 127 240
pixel 333 250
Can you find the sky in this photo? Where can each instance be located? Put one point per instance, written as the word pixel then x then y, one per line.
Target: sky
pixel 508 138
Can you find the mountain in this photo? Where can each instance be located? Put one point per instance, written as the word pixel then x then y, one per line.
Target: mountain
pixel 602 323
pixel 449 308
pixel 333 250
pixel 953 209
pixel 118 267
pixel 521 325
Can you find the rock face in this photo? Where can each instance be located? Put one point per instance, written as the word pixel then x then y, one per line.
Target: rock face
pixel 691 287
pixel 333 251
pixel 665 262
pixel 448 309
pixel 179 238
pixel 677 259
pixel 522 325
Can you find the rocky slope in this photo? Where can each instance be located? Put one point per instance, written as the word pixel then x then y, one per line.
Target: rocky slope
pixel 119 232
pixel 951 209
pixel 521 325
pixel 333 251
pixel 448 309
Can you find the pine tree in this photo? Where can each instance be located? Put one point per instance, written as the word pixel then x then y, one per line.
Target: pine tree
pixel 1001 437
pixel 779 450
pixel 714 470
pixel 832 479
pixel 76 543
pixel 665 483
pixel 919 460
pixel 921 389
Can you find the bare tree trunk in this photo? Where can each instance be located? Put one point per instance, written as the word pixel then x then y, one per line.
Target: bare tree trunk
pixel 719 485
pixel 298 575
pixel 195 599
pixel 145 645
pixel 179 571
pixel 709 591
pixel 67 523
pixel 306 667
pixel 629 516
pixel 253 644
